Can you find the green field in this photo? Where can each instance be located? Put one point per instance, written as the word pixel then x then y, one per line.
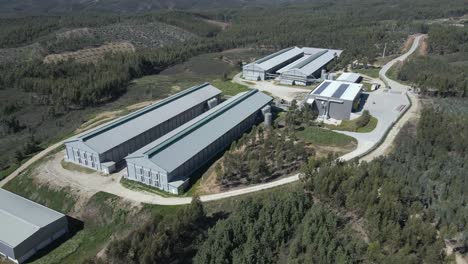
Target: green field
pixel 350 125
pixel 321 136
pixel 372 72
pixel 57 199
pixel 229 88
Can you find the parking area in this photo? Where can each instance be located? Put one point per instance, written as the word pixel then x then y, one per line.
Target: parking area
pixel 386 106
pixel 287 93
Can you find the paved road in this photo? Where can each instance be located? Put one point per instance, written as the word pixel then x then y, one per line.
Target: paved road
pixel 52 170
pixel 386 105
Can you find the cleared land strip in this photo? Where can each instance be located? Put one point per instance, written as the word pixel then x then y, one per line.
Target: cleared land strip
pixel 115 188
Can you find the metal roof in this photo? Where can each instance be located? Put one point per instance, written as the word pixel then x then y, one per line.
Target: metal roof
pixel 20 218
pixel 175 148
pixel 349 77
pixel 338 90
pixel 314 62
pixel 277 58
pixel 112 134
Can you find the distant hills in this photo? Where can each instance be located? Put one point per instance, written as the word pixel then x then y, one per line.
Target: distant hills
pixel 8 7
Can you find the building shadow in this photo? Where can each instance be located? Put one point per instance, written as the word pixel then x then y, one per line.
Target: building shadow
pixel 74 226
pixel 362 102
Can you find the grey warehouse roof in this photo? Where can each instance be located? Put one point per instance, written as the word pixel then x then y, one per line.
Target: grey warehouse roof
pixel 311 63
pixel 172 150
pixel 338 90
pixel 110 135
pixel 20 218
pixel 277 58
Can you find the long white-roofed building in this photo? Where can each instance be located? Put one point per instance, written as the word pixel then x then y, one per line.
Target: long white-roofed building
pixel 168 162
pixel 308 68
pixel 105 147
pixel 335 99
pixel 26 227
pixel 262 68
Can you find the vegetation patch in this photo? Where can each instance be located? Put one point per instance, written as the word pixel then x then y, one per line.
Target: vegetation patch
pixel 229 88
pixel 322 136
pixel 363 124
pixel 371 72
pixel 59 199
pixel 5 172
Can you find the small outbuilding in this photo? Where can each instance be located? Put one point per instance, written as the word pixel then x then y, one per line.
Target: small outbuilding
pixel 26 227
pixel 335 99
pixel 350 77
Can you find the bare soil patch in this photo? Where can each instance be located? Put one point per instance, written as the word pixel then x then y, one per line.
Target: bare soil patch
pixel 423 46
pixel 408 44
pixel 91 55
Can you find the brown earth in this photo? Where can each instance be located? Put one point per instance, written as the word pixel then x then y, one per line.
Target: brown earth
pixel 91 55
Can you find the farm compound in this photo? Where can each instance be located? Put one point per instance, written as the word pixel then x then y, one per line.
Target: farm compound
pixel 292 66
pixel 168 162
pixel 105 147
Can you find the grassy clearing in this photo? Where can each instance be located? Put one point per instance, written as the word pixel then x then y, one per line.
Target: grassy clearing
pixel 367 86
pixel 74 167
pixel 140 187
pixel 104 215
pixel 371 72
pixel 229 88
pixel 321 136
pixel 351 125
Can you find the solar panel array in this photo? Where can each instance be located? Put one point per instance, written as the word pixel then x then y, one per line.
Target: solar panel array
pixel 322 87
pixel 339 92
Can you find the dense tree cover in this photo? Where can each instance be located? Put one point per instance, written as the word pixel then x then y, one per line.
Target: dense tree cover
pixel 286 226
pixel 446 40
pixel 71 83
pixel 260 156
pixel 20 31
pixel 266 153
pixel 409 195
pixel 169 239
pixel 440 73
pixel 436 76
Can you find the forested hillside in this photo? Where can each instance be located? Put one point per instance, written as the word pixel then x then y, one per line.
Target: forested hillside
pixel 444 71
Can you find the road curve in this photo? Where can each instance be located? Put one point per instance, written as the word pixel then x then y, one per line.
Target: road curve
pixel 119 190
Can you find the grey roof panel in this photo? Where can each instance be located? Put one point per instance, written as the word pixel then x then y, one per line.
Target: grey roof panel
pixel 277 58
pixel 112 134
pixel 175 148
pixel 339 92
pixel 321 87
pixel 20 218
